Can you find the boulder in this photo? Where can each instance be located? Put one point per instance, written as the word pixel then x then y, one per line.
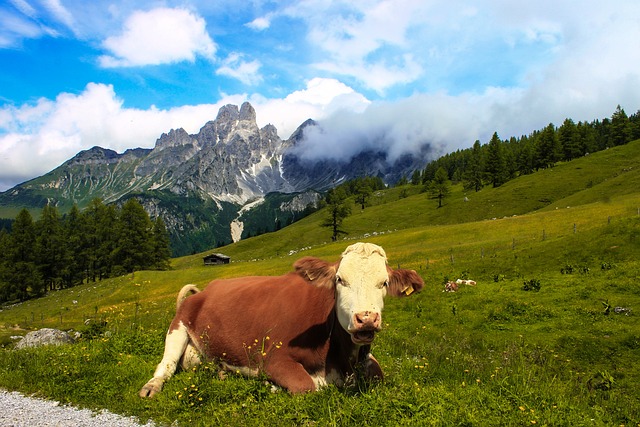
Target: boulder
pixel 45 336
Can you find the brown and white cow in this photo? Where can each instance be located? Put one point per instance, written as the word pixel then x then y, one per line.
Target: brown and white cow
pixel 308 328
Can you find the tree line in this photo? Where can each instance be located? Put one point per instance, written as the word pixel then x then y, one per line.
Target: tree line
pixel 499 161
pixel 56 252
pixel 493 163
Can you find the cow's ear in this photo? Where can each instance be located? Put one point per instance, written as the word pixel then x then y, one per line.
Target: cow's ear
pixel 404 282
pixel 316 271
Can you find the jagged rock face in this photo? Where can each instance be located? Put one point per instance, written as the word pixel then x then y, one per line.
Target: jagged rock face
pixel 229 159
pixel 301 202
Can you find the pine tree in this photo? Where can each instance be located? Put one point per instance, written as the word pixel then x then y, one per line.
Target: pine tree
pixel 620 130
pixel 160 247
pixel 49 248
pixel 525 157
pixel 416 177
pixel 439 188
pixel 472 176
pixel 363 192
pixel 22 276
pixel 634 126
pixel 75 259
pixel 569 140
pixel 586 138
pixel 495 167
pixel 134 237
pixel 4 265
pixel 91 240
pixel 338 210
pixel 547 148
pixel 108 240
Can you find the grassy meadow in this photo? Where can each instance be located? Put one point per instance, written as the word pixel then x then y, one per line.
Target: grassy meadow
pixel 495 354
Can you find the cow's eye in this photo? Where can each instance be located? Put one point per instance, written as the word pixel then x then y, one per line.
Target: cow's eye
pixel 386 283
pixel 339 280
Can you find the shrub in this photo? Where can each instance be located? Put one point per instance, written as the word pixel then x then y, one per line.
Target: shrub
pixel 567 269
pixel 531 285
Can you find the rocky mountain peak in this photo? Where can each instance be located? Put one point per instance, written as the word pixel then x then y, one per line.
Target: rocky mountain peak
pixel 95 155
pixel 298 134
pixel 229 122
pixel 227 113
pixel 247 113
pixel 175 138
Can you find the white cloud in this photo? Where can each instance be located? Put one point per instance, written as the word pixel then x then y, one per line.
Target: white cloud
pixel 24 7
pixel 260 23
pixel 321 98
pixel 245 71
pixel 158 36
pixel 15 28
pixel 379 75
pixel 351 36
pixel 61 14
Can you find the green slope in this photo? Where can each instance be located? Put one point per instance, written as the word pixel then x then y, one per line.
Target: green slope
pixel 486 355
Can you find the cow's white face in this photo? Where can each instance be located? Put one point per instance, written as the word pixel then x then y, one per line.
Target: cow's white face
pixel 361 285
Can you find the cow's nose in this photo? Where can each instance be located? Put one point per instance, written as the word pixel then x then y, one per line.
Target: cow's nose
pixel 367 320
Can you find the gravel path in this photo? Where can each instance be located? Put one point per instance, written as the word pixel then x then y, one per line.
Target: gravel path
pixel 17 410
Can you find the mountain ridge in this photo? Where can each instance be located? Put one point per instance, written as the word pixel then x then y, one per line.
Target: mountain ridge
pixel 229 163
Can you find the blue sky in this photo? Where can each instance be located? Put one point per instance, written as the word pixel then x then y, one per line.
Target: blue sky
pixel 76 73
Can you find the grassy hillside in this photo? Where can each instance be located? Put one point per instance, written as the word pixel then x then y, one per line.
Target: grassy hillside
pixel 494 354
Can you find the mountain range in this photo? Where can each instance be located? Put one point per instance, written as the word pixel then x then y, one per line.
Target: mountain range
pixel 230 180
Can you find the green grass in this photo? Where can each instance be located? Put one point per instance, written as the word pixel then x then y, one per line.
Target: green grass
pixel 493 354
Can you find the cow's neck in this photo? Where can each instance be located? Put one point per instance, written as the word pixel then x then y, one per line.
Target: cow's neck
pixel 344 355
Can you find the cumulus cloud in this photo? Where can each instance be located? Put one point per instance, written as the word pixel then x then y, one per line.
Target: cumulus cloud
pixel 236 67
pixel 259 24
pixel 158 36
pixel 321 98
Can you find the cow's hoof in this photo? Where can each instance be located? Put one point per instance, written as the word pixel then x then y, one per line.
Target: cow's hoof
pixel 150 389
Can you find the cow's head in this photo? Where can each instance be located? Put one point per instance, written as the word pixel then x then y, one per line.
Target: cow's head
pixel 362 279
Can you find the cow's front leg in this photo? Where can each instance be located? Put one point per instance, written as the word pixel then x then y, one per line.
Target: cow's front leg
pixel 372 369
pixel 174 349
pixel 291 375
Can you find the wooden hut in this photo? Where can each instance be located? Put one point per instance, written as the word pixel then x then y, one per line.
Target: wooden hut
pixel 216 259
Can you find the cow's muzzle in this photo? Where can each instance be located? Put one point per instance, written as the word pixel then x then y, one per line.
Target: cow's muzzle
pixel 366 324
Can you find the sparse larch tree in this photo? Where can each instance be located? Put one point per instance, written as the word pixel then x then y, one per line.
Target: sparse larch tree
pixel 338 210
pixel 439 188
